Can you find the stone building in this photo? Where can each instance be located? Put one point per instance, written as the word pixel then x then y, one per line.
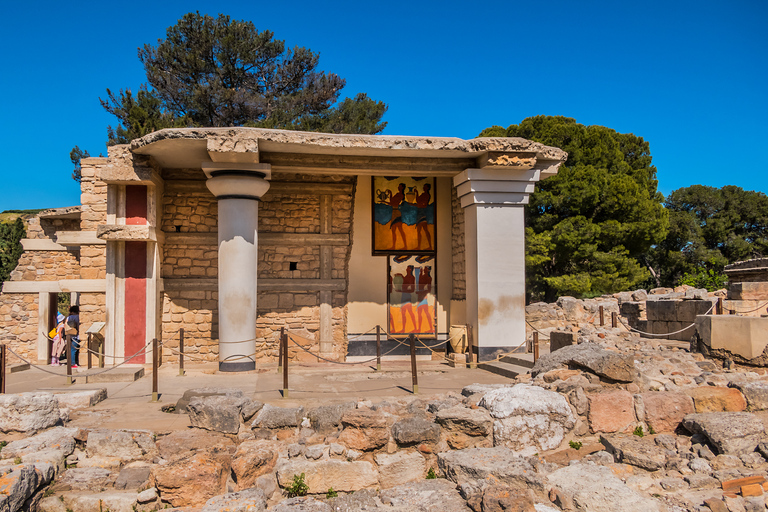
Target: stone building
pixel 233 233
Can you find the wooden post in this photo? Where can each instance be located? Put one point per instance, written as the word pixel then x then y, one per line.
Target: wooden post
pixel 101 352
pixel 602 316
pixel 280 352
pixel 535 346
pixel 412 339
pixel 719 310
pixel 470 348
pixel 155 364
pixel 181 352
pixel 2 368
pixel 90 348
pixel 614 319
pixel 284 341
pixel 378 348
pixel 69 360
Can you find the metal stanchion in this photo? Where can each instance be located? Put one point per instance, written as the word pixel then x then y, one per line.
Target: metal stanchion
pixel 535 346
pixel 614 319
pixel 181 352
pixel 602 316
pixel 280 351
pixel 284 340
pixel 378 348
pixel 2 369
pixel 412 339
pixel 155 364
pixel 69 359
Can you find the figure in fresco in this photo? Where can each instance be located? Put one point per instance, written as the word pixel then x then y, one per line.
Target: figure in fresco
pixel 409 287
pixel 423 290
pixel 395 296
pixel 423 210
pixel 407 213
pixel 396 201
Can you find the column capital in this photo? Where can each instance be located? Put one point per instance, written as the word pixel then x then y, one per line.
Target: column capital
pixel 237 181
pixel 495 186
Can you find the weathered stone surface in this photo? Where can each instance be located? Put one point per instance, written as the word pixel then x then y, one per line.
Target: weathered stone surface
pixel 84 479
pixel 251 460
pixel 182 443
pixel 717 399
pixel 400 467
pixel 364 429
pixel 597 489
pixel 81 399
pixel 367 500
pixel 756 394
pixel 472 422
pixel 529 419
pixel 606 363
pixel 19 484
pixel 122 444
pixel 468 467
pixel 61 439
pixel 414 430
pixel 301 504
pixel 500 498
pixel 28 412
pixel 183 402
pixel 611 411
pixel 133 476
pixel 321 475
pixel 248 500
pixel 278 417
pixel 730 433
pixel 474 389
pixel 250 408
pixel 642 452
pixel 327 418
pixel 191 481
pixel 111 501
pixel 664 411
pixel 217 413
pixel 436 495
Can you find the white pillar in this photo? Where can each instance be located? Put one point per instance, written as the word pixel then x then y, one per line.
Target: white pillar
pixel 43 316
pixel 494 245
pixel 238 188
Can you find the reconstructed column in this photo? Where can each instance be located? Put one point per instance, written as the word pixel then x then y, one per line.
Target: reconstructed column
pixel 494 241
pixel 238 188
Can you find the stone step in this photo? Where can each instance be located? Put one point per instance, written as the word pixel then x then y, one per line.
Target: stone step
pixel 18 367
pixel 504 369
pixel 521 359
pixel 121 374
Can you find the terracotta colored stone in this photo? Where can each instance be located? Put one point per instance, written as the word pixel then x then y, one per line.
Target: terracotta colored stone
pixel 611 411
pixel 717 399
pixel 252 459
pixel 752 490
pixel 191 481
pixel 738 483
pixel 716 505
pixel 665 410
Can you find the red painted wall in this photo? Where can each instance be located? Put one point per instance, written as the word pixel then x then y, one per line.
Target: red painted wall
pixel 135 299
pixel 136 204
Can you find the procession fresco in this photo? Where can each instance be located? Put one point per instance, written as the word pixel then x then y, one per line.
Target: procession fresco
pixel 403 214
pixel 412 303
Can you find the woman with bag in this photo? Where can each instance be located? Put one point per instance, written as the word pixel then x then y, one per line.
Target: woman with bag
pixel 57 337
pixel 72 331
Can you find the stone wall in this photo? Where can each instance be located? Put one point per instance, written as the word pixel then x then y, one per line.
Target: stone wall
pixel 38 228
pixel 47 266
pixel 457 242
pixel 18 313
pixel 668 316
pixel 195 311
pixel 185 261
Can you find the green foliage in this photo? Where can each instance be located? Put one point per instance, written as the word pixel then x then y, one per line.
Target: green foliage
pixel 651 431
pixel 10 247
pixel 331 493
pixel 17 460
pixel 576 445
pixel 298 487
pixel 710 228
pixel 638 431
pixel 75 156
pixel 431 475
pixel 589 227
pixel 3 444
pixel 222 72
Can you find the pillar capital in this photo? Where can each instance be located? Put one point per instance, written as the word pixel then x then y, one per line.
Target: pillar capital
pixel 236 180
pixel 495 186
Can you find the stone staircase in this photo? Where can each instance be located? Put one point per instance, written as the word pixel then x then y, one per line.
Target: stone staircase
pixel 512 365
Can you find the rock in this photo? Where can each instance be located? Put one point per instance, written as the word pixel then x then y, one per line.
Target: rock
pixel 611 411
pixel 529 419
pixel 216 413
pixel 81 399
pixel 251 460
pixel 597 489
pixel 364 429
pixel 182 443
pixel 715 399
pixel 248 500
pixel 361 500
pixel 637 451
pixel 183 402
pixel 400 467
pixel 327 418
pixel 664 411
pixel 415 430
pixel 28 412
pixel 324 474
pixel 700 466
pixel 84 479
pixel 61 439
pixel 756 394
pixel 606 363
pixel 250 408
pixel 472 422
pixel 500 498
pixel 436 495
pixel 730 433
pixel 316 451
pixel 337 449
pixel 133 476
pixel 278 417
pixel 125 445
pixel 474 389
pixel 19 484
pixel 106 501
pixel 701 481
pixel 193 480
pixel 468 467
pixel 301 505
pixel 147 495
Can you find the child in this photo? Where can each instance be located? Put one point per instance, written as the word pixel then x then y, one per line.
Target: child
pixel 57 336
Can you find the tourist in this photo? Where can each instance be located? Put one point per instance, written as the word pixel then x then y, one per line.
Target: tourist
pixel 72 331
pixel 57 337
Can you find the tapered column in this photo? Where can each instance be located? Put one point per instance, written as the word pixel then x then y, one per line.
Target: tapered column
pixel 238 188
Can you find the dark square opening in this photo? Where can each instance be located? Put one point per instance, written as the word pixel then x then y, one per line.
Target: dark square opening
pixel 292 265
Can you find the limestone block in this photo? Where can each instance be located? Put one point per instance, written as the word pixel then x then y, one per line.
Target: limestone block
pixel 731 433
pixel 122 444
pixel 642 452
pixel 664 411
pixel 740 335
pixel 560 339
pixel 717 399
pixel 28 412
pixel 324 474
pixel 471 466
pixel 661 310
pixel 756 290
pixel 245 500
pixel 611 411
pixel 400 467
pixel 756 394
pixel 191 481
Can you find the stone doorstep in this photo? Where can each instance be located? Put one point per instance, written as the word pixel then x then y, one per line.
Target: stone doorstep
pixel 18 367
pixel 122 374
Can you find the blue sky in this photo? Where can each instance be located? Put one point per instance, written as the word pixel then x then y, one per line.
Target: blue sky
pixel 689 77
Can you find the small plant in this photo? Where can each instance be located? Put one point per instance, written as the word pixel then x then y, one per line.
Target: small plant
pixel 3 444
pixel 638 431
pixel 48 492
pixel 651 431
pixel 298 487
pixel 17 460
pixel 576 445
pixel 431 474
pixel 331 493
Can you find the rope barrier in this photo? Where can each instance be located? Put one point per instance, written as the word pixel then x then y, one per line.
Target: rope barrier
pixel 667 334
pixel 538 331
pixel 291 335
pixel 747 311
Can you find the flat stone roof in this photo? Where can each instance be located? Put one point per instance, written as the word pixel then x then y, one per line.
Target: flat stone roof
pixel 67 212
